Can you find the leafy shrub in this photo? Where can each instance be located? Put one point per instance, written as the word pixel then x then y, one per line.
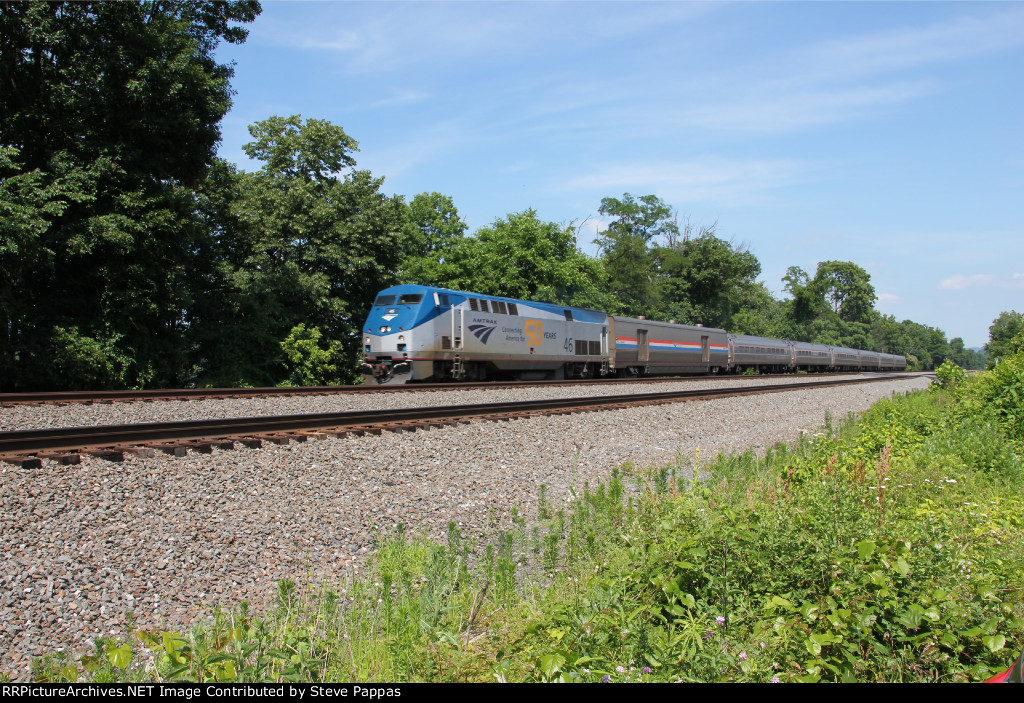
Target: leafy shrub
pixel 950 376
pixel 309 362
pixel 87 362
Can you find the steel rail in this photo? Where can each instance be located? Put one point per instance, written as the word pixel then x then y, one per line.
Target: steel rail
pixel 20 442
pixel 67 397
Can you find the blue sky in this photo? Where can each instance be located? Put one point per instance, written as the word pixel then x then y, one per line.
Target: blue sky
pixel 888 134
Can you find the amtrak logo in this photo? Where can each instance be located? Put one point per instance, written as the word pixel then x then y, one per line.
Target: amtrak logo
pixel 482 332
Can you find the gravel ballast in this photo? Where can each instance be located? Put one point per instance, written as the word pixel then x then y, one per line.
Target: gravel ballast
pixel 27 417
pixel 166 538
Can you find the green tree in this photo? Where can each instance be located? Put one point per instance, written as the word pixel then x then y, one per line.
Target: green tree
pixel 804 305
pixel 524 257
pixel 1000 335
pixel 927 345
pixel 109 119
pixel 835 307
pixel 626 252
pixel 847 288
pixel 433 224
pixel 704 279
pixel 434 232
pixel 759 313
pixel 888 335
pixel 521 256
pixel 307 245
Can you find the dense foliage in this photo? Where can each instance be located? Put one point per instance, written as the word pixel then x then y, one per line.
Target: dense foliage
pixel 297 245
pixel 1002 334
pixel 886 549
pixel 131 257
pixel 110 116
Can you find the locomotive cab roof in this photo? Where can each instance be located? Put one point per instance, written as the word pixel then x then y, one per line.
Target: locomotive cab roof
pixel 417 294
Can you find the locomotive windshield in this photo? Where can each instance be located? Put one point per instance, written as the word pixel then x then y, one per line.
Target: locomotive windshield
pixel 384 300
pixel 410 299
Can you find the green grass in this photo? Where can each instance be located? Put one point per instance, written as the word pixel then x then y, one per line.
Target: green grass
pixel 882 548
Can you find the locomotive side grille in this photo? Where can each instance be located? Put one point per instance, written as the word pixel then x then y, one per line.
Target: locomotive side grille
pixel 473 305
pixel 513 309
pixel 446 342
pixel 595 348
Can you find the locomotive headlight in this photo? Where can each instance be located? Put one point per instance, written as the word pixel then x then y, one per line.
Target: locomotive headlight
pixel 401 338
pixel 367 340
pixel 385 328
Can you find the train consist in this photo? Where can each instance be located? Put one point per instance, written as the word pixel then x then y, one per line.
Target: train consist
pixel 422 333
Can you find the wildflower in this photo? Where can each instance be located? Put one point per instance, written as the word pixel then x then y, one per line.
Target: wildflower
pixel 648 670
pixel 586 670
pixel 621 669
pixel 720 620
pixel 606 678
pixel 743 656
pixel 775 679
pixel 708 635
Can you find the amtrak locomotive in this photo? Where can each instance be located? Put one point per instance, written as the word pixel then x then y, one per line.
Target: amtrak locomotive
pixel 423 333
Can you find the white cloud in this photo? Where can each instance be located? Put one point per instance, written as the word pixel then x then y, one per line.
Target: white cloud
pixel 888 299
pixel 982 280
pixel 717 179
pixel 388 37
pixel 904 48
pixel 382 36
pixel 771 111
pixel 846 78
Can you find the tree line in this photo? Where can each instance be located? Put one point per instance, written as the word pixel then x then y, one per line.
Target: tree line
pixel 131 256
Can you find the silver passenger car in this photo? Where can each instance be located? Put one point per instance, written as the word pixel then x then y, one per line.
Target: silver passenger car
pixel 649 347
pixel 760 354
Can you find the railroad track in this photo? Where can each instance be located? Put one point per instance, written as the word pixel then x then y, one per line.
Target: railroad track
pixel 27 448
pixel 166 394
